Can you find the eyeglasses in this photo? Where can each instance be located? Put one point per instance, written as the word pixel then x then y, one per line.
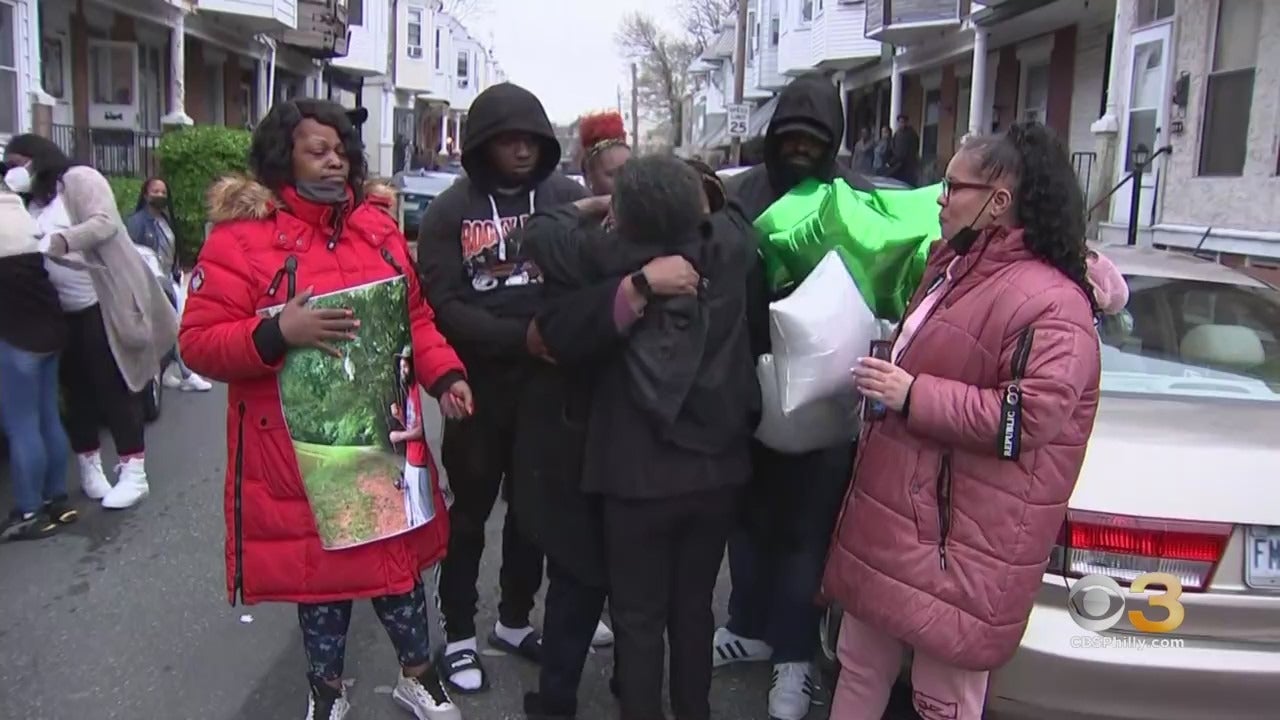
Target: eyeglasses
pixel 949 186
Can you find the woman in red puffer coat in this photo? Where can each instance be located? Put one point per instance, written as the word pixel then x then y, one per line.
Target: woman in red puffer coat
pixel 307 224
pixel 960 489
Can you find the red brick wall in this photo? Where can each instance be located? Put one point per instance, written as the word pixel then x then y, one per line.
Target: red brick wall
pixel 947 116
pixel 1062 71
pixel 197 104
pixel 231 78
pixel 912 102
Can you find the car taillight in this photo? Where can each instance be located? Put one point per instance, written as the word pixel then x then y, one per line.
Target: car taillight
pixel 1125 546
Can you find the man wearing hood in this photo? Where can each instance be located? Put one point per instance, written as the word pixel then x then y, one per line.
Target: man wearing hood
pixel 486 292
pixel 776 558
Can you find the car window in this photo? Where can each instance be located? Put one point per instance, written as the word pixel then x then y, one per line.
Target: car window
pixel 1194 338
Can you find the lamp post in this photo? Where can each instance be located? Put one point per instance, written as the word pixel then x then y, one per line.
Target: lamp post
pixel 1141 155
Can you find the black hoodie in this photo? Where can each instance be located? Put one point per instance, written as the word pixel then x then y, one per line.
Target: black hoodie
pixel 482 286
pixel 808 99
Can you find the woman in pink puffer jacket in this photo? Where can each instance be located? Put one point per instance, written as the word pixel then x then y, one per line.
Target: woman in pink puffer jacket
pixel 961 488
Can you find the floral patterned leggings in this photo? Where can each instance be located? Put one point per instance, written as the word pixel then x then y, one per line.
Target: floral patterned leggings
pixel 324 631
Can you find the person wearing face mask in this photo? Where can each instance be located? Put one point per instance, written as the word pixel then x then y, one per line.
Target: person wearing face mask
pixel 151 226
pixel 32 334
pixel 961 487
pixel 120 325
pixel 307 223
pixel 776 555
pixel 486 292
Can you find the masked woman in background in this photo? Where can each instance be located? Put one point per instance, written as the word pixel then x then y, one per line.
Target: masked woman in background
pixel 151 227
pixel 961 488
pixel 120 324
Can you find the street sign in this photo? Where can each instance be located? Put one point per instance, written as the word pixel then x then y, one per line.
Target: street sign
pixel 739 120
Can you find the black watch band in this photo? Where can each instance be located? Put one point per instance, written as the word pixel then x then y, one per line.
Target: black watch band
pixel 641 284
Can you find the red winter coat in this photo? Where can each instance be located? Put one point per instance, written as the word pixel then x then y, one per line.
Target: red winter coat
pixel 273 551
pixel 943 542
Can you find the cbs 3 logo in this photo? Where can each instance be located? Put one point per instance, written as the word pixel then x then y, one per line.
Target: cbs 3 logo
pixel 1097 602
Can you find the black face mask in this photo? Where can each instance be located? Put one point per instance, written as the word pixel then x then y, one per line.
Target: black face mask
pixel 158 202
pixel 966 236
pixel 323 192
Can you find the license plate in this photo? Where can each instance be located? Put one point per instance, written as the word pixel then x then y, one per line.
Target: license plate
pixel 1262 557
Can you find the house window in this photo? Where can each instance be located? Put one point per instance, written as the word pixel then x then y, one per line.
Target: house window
pixel 355 12
pixel 929 128
pixel 436 52
pixel 1150 11
pixel 806 12
pixel 775 29
pixel 152 79
pixel 52 68
pixel 1035 92
pixel 413 36
pixel 752 38
pixel 463 65
pixel 1229 88
pixel 9 115
pixel 112 73
pixel 818 10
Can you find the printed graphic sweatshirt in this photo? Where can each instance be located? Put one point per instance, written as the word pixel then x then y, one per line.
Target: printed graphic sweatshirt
pixel 477 275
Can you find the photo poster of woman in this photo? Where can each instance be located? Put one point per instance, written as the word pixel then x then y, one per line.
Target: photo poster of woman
pixel 352 421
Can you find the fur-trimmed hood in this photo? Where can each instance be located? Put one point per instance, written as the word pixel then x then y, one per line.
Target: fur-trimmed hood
pixel 241 197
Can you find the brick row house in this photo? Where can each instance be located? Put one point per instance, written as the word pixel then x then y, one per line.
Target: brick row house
pixel 103 78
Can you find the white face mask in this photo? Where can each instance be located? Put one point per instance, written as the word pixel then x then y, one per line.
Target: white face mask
pixel 18 179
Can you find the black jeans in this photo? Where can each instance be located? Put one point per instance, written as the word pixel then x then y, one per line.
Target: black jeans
pixel 663 557
pixel 568 623
pixel 477 455
pixel 777 570
pixel 95 391
pixel 324 632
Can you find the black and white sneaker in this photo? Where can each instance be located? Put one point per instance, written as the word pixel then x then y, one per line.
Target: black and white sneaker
pixel 327 703
pixel 59 511
pixel 27 526
pixel 792 691
pixel 728 647
pixel 425 697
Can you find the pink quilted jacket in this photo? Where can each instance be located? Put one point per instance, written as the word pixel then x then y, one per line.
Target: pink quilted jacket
pixel 947 527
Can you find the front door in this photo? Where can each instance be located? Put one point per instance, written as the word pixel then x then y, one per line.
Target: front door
pixel 1143 129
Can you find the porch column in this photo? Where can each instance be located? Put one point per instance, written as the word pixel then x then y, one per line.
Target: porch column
pixel 444 131
pixel 177 116
pixel 41 102
pixel 1106 130
pixel 895 92
pixel 978 84
pixel 457 131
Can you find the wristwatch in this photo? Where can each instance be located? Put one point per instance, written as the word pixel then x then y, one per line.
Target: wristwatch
pixel 641 284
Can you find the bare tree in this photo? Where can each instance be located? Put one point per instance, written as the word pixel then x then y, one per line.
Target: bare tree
pixel 703 19
pixel 662 59
pixel 466 9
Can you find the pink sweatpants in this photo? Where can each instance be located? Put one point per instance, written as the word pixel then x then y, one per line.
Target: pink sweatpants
pixel 869 664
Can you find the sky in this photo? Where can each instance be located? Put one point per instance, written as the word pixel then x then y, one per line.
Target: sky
pixel 564 50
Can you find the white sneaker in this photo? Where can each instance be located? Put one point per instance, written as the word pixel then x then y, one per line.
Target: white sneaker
pixel 425 697
pixel 327 704
pixel 603 636
pixel 195 383
pixel 92 478
pixel 172 377
pixel 132 486
pixel 792 691
pixel 727 648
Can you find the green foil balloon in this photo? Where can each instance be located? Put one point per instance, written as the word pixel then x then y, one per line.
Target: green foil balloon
pixel 883 237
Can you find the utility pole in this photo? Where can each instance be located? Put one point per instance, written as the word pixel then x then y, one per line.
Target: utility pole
pixel 635 105
pixel 739 78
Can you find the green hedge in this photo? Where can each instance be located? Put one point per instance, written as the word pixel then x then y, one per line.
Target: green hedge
pixel 126 190
pixel 190 160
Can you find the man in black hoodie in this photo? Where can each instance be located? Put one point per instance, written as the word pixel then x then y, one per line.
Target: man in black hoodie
pixel 485 293
pixel 776 557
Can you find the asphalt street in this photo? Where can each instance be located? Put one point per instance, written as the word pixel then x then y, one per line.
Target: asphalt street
pixel 124 615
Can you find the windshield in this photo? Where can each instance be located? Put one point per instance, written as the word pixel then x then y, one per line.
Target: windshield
pixel 1194 338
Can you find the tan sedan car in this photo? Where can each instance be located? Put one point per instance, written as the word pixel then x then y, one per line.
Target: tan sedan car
pixel 1182 477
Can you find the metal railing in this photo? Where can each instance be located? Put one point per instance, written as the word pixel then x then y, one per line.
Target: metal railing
pixel 133 153
pixel 1142 159
pixel 1082 163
